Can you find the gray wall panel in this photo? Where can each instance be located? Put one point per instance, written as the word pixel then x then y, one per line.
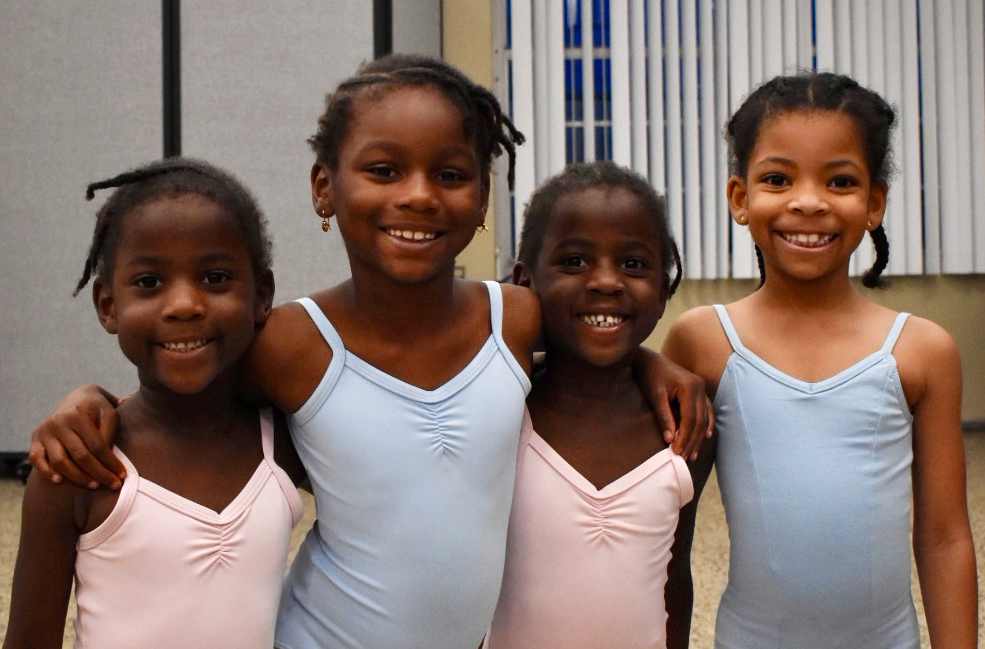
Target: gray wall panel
pixel 81 101
pixel 253 87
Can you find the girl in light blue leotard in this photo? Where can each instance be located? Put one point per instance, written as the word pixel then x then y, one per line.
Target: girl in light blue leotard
pixel 833 412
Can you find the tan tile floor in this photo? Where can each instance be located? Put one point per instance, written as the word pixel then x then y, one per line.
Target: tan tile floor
pixel 710 558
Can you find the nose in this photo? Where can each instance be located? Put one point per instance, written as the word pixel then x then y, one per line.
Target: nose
pixel 808 200
pixel 184 301
pixel 418 192
pixel 605 277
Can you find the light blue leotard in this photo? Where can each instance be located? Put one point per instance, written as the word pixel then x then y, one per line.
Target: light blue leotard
pixel 815 479
pixel 413 489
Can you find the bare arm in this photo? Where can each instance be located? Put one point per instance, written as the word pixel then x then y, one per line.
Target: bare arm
pixel 931 371
pixel 679 592
pixel 45 566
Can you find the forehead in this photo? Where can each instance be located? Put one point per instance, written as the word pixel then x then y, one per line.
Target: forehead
pixel 407 111
pixel 797 134
pixel 609 214
pixel 177 222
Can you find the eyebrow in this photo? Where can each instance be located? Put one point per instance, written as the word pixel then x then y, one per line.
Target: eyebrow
pixel 211 258
pixel 841 162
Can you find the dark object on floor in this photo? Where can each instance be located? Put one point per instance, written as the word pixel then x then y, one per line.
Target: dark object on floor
pixel 23 470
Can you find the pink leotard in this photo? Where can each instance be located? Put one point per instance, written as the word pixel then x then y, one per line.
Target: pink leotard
pixel 587 567
pixel 163 571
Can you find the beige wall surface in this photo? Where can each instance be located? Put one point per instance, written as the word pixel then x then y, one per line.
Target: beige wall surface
pixel 467 43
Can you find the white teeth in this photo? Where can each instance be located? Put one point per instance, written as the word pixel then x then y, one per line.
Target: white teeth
pixel 185 346
pixel 812 240
pixel 411 235
pixel 603 321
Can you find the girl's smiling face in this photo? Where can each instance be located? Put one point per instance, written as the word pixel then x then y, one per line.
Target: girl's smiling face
pixel 600 276
pixel 409 191
pixel 182 300
pixel 807 196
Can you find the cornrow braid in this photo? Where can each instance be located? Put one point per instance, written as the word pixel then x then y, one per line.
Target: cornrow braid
pixel 761 264
pixel 171 177
pixel 872 277
pixel 492 130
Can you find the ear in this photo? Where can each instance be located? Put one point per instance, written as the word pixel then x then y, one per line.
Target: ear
pixel 738 199
pixel 102 299
pixel 264 299
pixel 878 196
pixel 522 275
pixel 321 190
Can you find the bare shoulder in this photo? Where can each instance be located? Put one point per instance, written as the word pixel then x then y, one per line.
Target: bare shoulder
pixel 521 322
pixel 926 357
pixel 287 358
pixel 697 341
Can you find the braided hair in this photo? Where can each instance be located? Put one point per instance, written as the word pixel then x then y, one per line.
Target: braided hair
pixel 821 91
pixel 485 122
pixel 171 177
pixel 588 175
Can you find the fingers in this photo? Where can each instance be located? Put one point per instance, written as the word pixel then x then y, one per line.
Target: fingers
pixel 39 460
pixel 696 419
pixel 665 414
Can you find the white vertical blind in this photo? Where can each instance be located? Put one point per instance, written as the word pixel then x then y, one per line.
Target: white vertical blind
pixel 674 70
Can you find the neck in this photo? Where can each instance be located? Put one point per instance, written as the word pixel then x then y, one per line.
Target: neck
pixel 565 379
pixel 407 309
pixel 208 412
pixel 823 294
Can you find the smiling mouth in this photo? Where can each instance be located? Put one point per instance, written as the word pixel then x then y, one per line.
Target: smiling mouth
pixel 186 346
pixel 411 235
pixel 812 240
pixel 604 321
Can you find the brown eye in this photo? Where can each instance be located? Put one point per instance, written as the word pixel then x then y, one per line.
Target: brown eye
pixel 216 277
pixel 147 282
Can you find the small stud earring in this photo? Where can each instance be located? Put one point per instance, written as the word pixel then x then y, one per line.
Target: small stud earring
pixel 868 225
pixel 741 218
pixel 482 227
